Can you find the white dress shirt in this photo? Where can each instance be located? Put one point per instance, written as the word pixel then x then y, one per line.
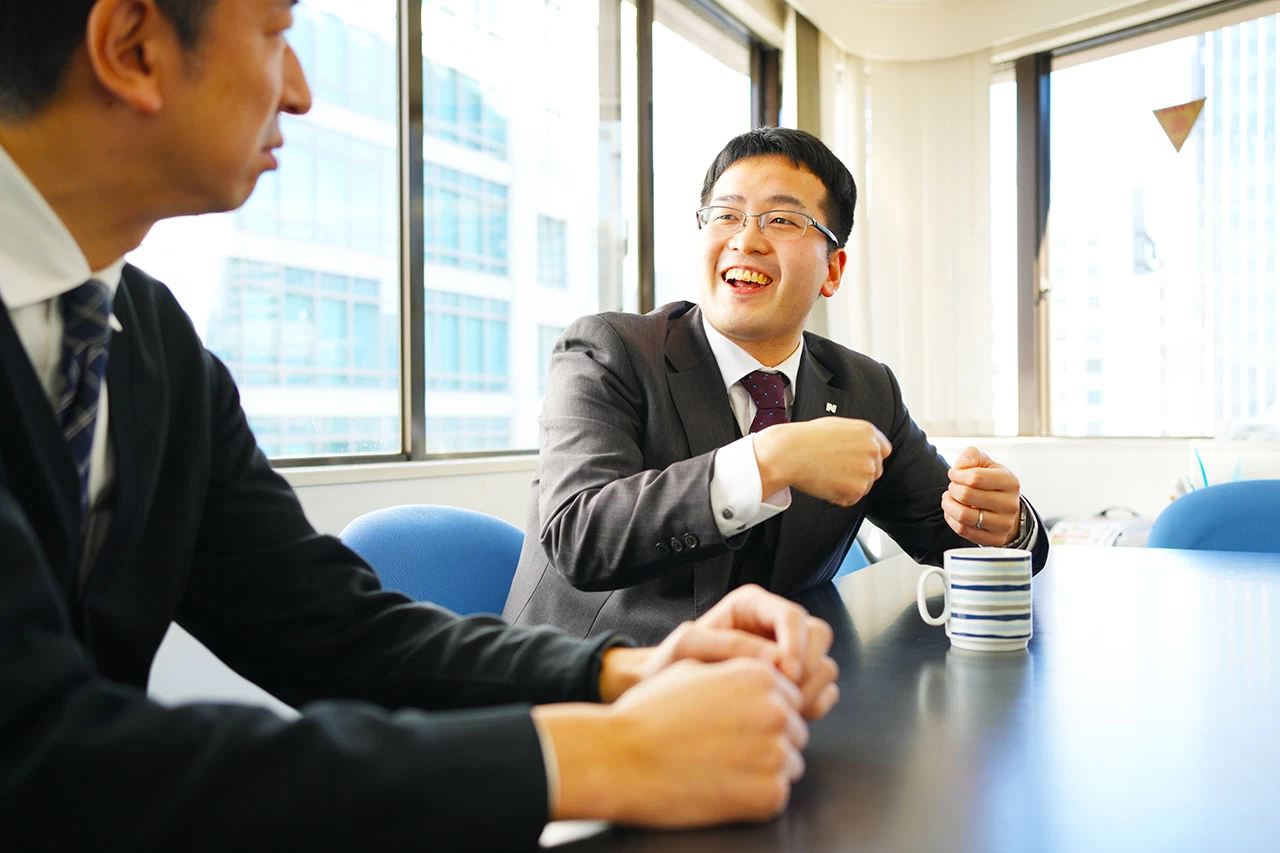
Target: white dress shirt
pixel 40 261
pixel 735 478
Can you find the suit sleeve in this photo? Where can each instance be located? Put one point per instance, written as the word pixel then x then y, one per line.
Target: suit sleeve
pixel 601 511
pixel 301 615
pixel 87 763
pixel 906 502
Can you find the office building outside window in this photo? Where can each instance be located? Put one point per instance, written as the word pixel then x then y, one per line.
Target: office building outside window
pixel 688 133
pixel 516 184
pixel 552 252
pixel 1162 262
pixel 299 291
pixel 525 170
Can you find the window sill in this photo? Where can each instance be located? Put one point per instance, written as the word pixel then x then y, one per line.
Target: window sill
pixel 330 475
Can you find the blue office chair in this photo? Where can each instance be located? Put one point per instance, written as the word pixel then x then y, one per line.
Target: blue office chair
pixel 457 558
pixel 1240 516
pixel 854 559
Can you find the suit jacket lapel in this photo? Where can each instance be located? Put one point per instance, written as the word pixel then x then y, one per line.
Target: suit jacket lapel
pixel 131 388
pixel 697 387
pixel 700 398
pixel 38 467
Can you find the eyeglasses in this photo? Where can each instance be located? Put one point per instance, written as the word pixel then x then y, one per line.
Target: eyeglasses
pixel 779 225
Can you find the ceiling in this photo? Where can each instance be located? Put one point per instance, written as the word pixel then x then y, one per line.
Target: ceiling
pixel 933 29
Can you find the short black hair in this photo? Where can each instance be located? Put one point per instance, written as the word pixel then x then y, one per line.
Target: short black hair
pixel 39 37
pixel 804 150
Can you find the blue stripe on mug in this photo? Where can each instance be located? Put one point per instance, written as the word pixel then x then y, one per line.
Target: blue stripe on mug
pixel 1014 618
pixel 992 635
pixel 1011 587
pixel 991 559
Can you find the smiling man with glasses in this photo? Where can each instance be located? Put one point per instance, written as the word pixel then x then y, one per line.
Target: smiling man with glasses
pixel 700 448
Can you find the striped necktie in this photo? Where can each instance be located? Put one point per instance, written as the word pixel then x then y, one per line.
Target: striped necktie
pixel 85 336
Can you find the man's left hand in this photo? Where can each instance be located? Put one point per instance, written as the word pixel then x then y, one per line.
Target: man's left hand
pixel 748 622
pixel 982 503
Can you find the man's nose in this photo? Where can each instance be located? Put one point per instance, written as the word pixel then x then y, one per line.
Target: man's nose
pixel 295 99
pixel 749 237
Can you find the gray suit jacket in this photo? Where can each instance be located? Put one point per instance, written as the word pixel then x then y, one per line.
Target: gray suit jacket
pixel 620 533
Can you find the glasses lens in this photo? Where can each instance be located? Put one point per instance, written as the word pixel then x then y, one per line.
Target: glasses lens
pixel 784 224
pixel 721 220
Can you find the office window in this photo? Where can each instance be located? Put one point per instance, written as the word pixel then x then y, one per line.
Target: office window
pixel 320 436
pixel 457 435
pixel 467 342
pixel 552 252
pixel 520 150
pixel 1166 298
pixel 293 326
pixel 457 108
pixel 298 292
pixel 466 220
pixel 690 55
pixel 547 337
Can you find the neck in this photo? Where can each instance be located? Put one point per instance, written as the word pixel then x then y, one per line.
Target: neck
pixel 93 192
pixel 769 353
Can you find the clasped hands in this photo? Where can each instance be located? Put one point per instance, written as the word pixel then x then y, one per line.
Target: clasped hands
pixel 706 727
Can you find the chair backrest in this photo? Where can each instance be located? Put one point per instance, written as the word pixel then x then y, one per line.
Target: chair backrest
pixel 457 558
pixel 855 558
pixel 1240 516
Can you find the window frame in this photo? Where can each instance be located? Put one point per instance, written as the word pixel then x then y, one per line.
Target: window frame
pixel 411 124
pixel 1032 73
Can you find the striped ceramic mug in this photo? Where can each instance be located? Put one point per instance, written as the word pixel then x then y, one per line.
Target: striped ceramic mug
pixel 986 598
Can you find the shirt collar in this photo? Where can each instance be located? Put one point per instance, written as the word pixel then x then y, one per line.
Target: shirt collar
pixel 735 362
pixel 39 259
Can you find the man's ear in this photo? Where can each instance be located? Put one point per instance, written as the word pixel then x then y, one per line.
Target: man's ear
pixel 131 45
pixel 835 271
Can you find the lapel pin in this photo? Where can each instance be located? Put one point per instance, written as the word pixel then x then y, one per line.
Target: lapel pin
pixel 831 407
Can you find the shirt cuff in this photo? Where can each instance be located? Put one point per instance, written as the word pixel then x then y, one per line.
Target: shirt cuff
pixel 1030 528
pixel 735 490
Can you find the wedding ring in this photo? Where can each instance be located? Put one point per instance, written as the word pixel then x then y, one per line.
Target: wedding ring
pixel 979 524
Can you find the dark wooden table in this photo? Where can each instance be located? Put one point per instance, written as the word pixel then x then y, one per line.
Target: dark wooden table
pixel 1145 715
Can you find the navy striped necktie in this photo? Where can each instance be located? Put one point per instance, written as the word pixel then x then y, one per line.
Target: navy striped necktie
pixel 768 390
pixel 86 333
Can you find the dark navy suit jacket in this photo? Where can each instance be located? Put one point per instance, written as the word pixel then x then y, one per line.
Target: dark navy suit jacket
pixel 206 533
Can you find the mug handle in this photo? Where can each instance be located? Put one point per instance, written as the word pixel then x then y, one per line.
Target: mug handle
pixel 920 597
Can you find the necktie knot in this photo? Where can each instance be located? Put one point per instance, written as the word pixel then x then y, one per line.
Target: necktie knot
pixel 86 315
pixel 768 391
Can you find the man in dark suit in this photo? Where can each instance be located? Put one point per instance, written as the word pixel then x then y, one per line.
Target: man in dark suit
pixel 701 447
pixel 132 494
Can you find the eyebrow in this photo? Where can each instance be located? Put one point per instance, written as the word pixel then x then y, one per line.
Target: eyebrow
pixel 780 198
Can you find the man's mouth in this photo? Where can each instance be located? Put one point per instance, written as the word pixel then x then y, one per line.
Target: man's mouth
pixel 742 278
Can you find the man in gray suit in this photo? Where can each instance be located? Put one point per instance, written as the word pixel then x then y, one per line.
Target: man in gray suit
pixel 699 448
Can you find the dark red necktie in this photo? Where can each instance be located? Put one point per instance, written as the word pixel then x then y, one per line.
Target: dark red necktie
pixel 769 392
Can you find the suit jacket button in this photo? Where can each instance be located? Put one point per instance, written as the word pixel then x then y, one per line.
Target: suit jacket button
pixel 676 545
pixel 663 550
pixel 690 541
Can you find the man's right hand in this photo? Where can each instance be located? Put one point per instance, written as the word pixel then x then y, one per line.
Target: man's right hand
pixel 835 459
pixel 697 744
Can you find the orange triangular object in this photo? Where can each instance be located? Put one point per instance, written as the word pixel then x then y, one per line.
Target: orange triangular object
pixel 1178 121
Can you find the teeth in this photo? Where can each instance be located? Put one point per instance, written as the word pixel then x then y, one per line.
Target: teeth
pixel 750 276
